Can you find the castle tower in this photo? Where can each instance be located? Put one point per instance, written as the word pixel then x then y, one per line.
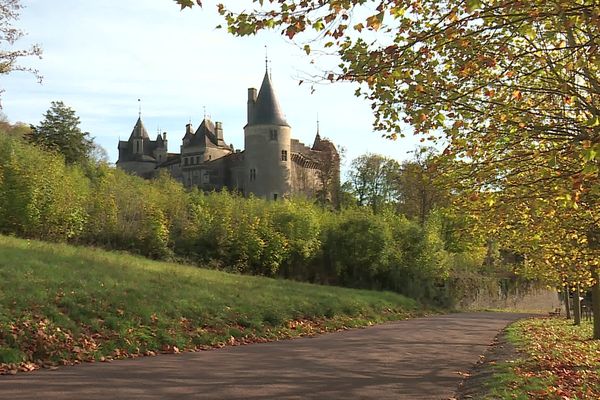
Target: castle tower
pixel 137 155
pixel 267 143
pixel 161 146
pixel 139 135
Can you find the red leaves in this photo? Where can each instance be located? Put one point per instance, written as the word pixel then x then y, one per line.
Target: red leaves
pixel 558 350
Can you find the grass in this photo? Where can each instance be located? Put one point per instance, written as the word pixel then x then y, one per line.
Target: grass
pixel 62 304
pixel 557 361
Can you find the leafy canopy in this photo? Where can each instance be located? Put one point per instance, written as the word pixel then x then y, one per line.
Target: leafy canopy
pixel 59 131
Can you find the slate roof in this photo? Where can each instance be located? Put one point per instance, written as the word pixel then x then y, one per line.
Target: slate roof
pixel 139 130
pixel 266 108
pixel 205 134
pixel 126 146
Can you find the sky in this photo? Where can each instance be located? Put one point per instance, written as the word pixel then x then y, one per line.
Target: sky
pixel 100 57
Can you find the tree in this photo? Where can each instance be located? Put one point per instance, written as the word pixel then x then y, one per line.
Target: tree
pixel 9 12
pixel 419 193
pixel 18 130
pixel 373 179
pixel 59 131
pixel 512 86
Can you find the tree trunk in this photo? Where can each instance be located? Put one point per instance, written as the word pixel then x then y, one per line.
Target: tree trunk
pixel 576 306
pixel 567 301
pixel 596 302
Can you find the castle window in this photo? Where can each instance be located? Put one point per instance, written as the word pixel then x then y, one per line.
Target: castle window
pixel 283 155
pixel 185 161
pixel 252 174
pixel 197 159
pixel 273 134
pixel 274 196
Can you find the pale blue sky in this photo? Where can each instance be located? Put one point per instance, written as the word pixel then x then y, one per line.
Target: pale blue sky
pixel 101 56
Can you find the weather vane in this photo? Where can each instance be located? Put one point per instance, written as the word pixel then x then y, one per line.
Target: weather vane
pixel 266 57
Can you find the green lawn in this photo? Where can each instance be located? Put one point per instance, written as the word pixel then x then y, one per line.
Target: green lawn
pixel 65 304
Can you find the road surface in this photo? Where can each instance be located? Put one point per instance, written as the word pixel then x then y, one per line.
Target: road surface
pixel 413 359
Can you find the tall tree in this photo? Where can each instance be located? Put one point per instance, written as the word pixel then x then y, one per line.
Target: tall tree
pixel 419 192
pixel 9 35
pixel 373 179
pixel 59 131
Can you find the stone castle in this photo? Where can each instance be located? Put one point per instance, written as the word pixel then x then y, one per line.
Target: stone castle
pixel 271 166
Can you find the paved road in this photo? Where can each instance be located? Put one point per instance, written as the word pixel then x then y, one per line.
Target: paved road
pixel 412 359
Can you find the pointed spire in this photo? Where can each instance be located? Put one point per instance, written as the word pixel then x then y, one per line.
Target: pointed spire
pixel 139 130
pixel 140 108
pixel 266 110
pixel 318 135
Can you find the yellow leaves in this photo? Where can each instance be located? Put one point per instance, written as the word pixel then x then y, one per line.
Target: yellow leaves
pixel 467 69
pixel 375 21
pixel 517 95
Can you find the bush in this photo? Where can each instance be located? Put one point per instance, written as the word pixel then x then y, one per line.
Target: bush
pixel 42 197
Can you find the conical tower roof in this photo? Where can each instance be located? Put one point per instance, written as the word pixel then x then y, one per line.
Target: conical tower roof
pixel 139 130
pixel 266 109
pixel 317 141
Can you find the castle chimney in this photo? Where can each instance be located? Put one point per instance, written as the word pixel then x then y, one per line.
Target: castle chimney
pixel 252 95
pixel 219 131
pixel 189 129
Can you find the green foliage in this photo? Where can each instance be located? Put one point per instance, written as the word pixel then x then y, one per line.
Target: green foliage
pixel 39 195
pixel 361 249
pixel 373 179
pixel 294 239
pixel 59 131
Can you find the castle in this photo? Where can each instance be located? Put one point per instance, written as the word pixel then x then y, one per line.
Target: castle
pixel 271 166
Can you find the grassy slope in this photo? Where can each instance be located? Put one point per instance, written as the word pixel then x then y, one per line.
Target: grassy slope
pixel 557 361
pixel 65 304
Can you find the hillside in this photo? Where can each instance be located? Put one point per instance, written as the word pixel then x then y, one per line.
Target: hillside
pixel 61 304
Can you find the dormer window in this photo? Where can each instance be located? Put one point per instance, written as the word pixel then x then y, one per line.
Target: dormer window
pixel 273 134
